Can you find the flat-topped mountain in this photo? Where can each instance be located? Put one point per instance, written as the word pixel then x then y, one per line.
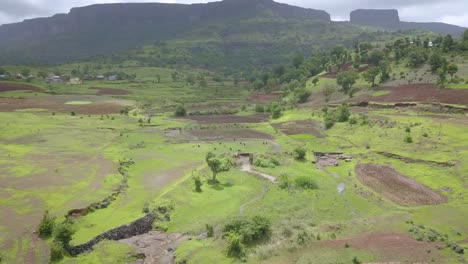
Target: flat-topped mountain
pixel 107 28
pixel 385 18
pixel 390 20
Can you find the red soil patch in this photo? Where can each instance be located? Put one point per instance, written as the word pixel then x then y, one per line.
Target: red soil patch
pixel 396 187
pixel 228 119
pixel 264 97
pixel 427 93
pixel 110 91
pixel 6 87
pixel 308 127
pixel 390 247
pixel 220 134
pixel 10 104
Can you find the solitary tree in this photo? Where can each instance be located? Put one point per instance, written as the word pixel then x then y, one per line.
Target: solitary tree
pixel 451 70
pixel 215 165
pixel 442 78
pixel 371 74
pixel 347 79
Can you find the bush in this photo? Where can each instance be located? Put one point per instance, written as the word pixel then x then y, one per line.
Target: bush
pixel 306 182
pixel 300 153
pixel 408 139
pixel 198 183
pixel 343 113
pixel 209 230
pixel 57 251
pixel 259 109
pixel 276 113
pixel 329 121
pixel 46 227
pixel 63 233
pixel 235 246
pixel 356 260
pixel 284 181
pixel 180 111
pixel 352 120
pixel 248 229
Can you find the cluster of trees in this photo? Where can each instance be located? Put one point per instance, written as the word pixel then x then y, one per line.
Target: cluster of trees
pixel 243 232
pixel 61 232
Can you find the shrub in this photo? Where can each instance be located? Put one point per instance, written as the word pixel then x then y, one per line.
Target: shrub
pixel 209 230
pixel 329 121
pixel 57 251
pixel 198 183
pixel 300 153
pixel 46 227
pixel 235 246
pixel 306 182
pixel 353 120
pixel 302 238
pixel 248 229
pixel 180 111
pixel 259 109
pixel 408 139
pixel 356 260
pixel 63 233
pixel 343 113
pixel 276 113
pixel 284 181
pixel 72 113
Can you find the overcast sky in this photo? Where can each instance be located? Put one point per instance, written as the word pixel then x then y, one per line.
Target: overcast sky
pixel 449 11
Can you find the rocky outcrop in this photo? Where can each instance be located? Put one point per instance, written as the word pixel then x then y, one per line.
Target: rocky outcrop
pixel 384 18
pixel 389 19
pixel 138 227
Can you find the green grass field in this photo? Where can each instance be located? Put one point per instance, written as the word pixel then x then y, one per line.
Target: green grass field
pixel 64 153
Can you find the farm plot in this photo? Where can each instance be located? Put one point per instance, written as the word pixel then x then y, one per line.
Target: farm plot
pixel 227 119
pixel 427 93
pixel 7 87
pixel 396 187
pixel 307 127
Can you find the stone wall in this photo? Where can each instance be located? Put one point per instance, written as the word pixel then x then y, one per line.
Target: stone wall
pixel 138 227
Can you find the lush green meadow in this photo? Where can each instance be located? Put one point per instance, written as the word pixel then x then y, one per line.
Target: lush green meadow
pixel 66 151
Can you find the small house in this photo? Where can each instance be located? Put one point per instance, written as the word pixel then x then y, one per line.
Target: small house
pixel 100 77
pixel 75 81
pixel 112 78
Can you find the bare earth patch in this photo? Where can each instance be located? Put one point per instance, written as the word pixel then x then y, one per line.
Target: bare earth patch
pixel 10 104
pixel 427 93
pixel 264 97
pixel 158 247
pixel 391 248
pixel 308 127
pixel 220 134
pixel 110 91
pixel 227 119
pixel 6 87
pixel 396 187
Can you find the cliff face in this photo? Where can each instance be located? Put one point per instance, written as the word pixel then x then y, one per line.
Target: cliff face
pixel 389 19
pixel 114 27
pixel 384 18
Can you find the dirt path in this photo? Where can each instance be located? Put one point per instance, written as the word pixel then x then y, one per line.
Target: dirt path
pixel 258 198
pixel 245 166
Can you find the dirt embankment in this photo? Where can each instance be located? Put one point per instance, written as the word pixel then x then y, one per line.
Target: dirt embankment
pixel 110 91
pixel 228 119
pixel 264 97
pixel 7 87
pixel 425 93
pixel 396 187
pixel 411 160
